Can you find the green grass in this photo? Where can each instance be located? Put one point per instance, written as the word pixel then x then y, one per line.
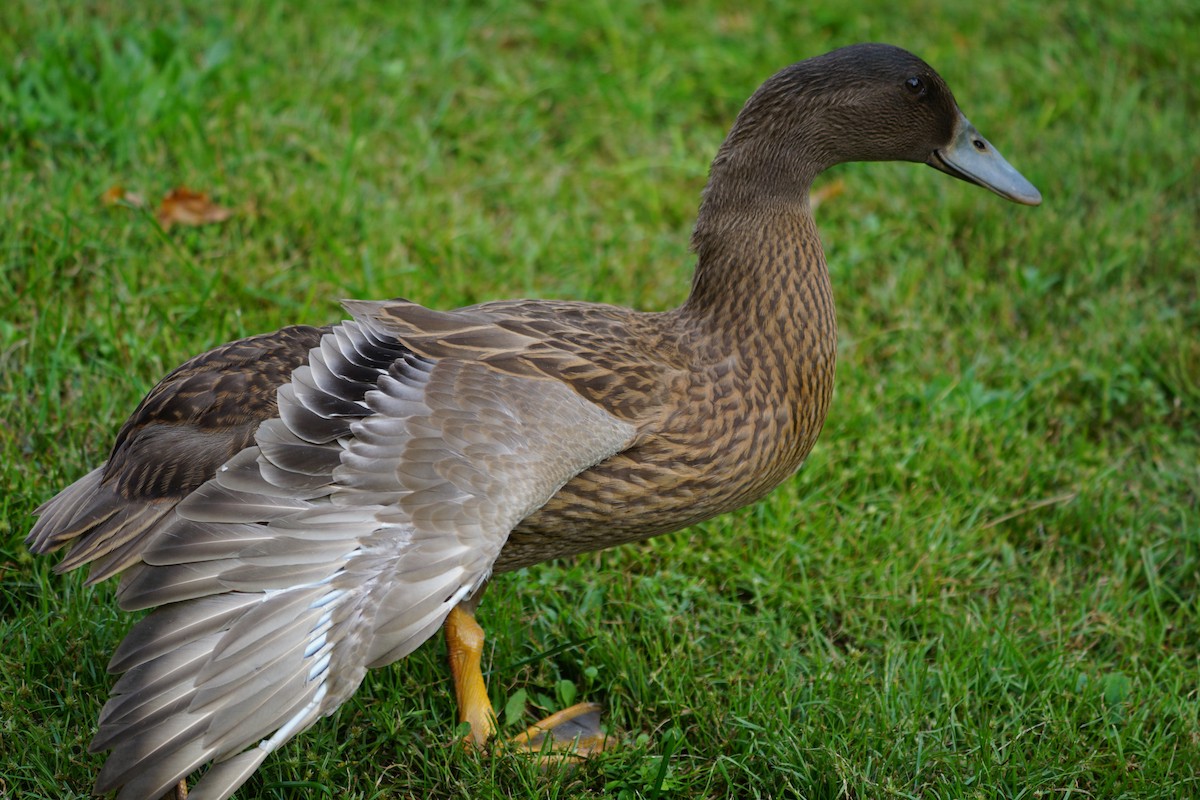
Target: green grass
pixel 984 582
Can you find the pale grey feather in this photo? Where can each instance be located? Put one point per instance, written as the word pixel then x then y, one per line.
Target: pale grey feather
pixel 224 777
pixel 281 582
pixel 144 586
pixel 201 541
pixel 170 627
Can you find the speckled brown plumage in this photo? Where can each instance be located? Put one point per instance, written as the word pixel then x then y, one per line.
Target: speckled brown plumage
pixel 735 408
pixel 304 505
pixel 219 397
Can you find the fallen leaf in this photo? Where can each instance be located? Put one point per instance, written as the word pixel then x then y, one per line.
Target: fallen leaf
pixel 183 206
pixel 117 195
pixel 828 191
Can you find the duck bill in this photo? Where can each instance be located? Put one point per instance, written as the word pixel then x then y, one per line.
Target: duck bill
pixel 972 158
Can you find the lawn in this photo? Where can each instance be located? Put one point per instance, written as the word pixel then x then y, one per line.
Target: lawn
pixel 983 584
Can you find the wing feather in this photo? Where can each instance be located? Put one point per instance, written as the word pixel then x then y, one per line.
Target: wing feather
pixel 376 501
pixel 171 627
pixel 223 779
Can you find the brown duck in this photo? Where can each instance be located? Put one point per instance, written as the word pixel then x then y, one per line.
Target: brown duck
pixel 306 504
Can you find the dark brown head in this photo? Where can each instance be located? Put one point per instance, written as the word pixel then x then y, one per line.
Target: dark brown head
pixel 866 102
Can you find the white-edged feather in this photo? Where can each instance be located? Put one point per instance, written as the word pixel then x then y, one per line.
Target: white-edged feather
pixel 375 502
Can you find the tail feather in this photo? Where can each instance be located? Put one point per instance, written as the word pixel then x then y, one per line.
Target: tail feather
pixel 121 523
pixel 100 524
pixel 58 518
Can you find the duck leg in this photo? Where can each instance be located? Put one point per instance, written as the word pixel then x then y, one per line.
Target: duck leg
pixel 575 729
pixel 464 640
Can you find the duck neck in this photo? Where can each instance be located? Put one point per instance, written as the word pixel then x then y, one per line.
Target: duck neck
pixel 755 238
pixel 761 307
pixel 761 276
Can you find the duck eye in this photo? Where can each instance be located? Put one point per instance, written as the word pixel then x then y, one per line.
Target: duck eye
pixel 915 86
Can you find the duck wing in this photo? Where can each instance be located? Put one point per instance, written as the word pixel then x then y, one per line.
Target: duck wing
pixel 375 501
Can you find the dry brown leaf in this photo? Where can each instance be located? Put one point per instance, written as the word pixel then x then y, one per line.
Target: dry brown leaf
pixel 182 206
pixel 828 191
pixel 117 195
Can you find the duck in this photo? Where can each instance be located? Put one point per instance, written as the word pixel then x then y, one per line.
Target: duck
pixel 301 506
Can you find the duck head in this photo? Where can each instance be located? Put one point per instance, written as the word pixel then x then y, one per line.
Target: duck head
pixel 866 102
